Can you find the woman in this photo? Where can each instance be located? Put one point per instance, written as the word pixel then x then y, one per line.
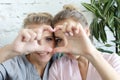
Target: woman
pixel 82 60
pixel 32 48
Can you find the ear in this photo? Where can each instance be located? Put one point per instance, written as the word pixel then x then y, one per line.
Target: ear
pixel 87 30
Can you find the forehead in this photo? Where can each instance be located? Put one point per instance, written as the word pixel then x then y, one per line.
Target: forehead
pixel 34 26
pixel 69 21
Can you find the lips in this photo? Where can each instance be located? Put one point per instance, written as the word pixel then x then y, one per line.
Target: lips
pixel 42 53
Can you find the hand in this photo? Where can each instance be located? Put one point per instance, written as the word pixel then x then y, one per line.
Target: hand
pixel 76 40
pixel 27 40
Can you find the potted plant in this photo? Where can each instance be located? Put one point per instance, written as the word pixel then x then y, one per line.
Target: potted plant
pixel 107 14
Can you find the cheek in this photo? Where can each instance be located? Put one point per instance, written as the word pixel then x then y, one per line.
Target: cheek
pixel 52 44
pixel 61 44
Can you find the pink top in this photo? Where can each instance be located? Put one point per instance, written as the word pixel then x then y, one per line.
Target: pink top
pixel 67 69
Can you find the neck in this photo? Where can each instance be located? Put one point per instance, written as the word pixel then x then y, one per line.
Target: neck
pixel 83 66
pixel 38 65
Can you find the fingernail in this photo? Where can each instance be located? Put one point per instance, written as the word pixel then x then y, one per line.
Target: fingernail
pixel 53 30
pixel 49 49
pixel 76 31
pixel 66 34
pixel 71 33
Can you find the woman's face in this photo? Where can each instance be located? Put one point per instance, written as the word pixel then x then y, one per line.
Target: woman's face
pixel 59 35
pixel 47 39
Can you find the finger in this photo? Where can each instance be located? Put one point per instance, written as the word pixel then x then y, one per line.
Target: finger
pixel 81 30
pixel 67 34
pixel 24 35
pixel 69 30
pixel 43 49
pixel 48 28
pixel 60 49
pixel 65 39
pixel 58 27
pixel 70 55
pixel 39 32
pixel 76 29
pixel 64 27
pixel 84 37
pixel 33 35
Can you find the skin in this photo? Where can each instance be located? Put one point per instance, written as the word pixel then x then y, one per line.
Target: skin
pixel 74 40
pixel 36 41
pixel 41 58
pixel 28 42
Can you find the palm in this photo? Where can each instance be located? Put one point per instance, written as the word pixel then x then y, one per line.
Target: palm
pixel 29 41
pixel 26 46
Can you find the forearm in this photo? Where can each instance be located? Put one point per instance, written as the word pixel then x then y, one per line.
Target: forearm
pixel 6 53
pixel 103 67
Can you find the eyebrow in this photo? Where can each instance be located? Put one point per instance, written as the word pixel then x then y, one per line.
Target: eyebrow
pixel 57 37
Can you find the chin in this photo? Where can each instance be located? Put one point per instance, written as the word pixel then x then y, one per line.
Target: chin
pixel 43 57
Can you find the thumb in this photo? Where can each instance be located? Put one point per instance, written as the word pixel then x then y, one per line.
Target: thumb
pixel 61 49
pixel 44 48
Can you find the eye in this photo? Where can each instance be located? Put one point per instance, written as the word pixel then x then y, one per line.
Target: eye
pixel 58 40
pixel 49 39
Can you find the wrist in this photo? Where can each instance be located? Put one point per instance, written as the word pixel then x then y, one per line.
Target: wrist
pixel 6 53
pixel 12 50
pixel 93 55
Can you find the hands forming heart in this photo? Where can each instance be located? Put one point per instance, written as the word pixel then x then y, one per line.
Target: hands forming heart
pixel 27 40
pixel 75 39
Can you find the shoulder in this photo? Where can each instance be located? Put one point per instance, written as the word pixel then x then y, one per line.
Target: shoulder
pixel 13 67
pixel 15 60
pixel 111 58
pixel 16 64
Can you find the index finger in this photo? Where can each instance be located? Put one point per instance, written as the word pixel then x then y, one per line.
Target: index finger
pixel 48 28
pixel 58 27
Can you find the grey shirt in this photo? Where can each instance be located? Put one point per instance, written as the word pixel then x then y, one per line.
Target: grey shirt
pixel 19 68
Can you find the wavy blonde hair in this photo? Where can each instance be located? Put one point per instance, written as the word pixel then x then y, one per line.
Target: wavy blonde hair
pixel 38 18
pixel 70 11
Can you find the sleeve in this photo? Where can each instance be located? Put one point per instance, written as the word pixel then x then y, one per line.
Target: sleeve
pixel 2 72
pixel 115 62
pixel 53 72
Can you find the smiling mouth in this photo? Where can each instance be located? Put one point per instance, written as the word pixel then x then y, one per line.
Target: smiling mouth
pixel 42 53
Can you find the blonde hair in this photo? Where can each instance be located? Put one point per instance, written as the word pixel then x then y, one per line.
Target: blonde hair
pixel 38 18
pixel 70 11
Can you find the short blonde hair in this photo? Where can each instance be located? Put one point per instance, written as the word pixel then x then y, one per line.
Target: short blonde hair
pixel 38 18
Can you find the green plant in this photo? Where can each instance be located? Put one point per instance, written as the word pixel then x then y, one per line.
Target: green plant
pixel 107 14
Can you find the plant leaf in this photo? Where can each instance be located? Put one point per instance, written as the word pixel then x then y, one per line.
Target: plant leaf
pixel 102 32
pixel 103 50
pixel 92 1
pixel 108 45
pixel 94 28
pixel 89 7
pixel 107 7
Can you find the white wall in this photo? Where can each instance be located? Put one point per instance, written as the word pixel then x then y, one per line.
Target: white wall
pixel 12 13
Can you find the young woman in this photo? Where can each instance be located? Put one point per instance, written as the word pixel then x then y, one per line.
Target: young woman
pixel 82 60
pixel 32 50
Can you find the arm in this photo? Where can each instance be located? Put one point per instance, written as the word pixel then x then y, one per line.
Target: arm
pixel 81 44
pixel 106 71
pixel 6 53
pixel 26 42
